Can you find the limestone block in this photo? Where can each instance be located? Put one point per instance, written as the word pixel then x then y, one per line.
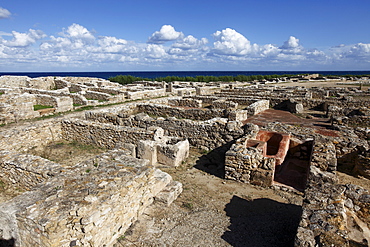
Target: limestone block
pixel 238 115
pixel 169 193
pixel 258 107
pixel 294 107
pixel 64 104
pixel 173 152
pixel 261 177
pixel 147 150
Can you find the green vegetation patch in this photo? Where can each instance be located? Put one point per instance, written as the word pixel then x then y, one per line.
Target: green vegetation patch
pixel 128 79
pixel 40 107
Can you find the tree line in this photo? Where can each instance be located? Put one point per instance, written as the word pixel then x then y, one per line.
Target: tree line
pixel 128 79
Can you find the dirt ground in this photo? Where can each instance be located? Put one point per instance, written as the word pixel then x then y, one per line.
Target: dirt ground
pixel 212 211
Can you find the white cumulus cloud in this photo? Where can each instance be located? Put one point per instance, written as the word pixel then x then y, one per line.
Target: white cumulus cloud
pixel 154 51
pixel 4 13
pixel 230 42
pixel 76 31
pixel 292 46
pixel 112 44
pixel 291 43
pixel 24 39
pixel 80 48
pixel 166 33
pixel 190 42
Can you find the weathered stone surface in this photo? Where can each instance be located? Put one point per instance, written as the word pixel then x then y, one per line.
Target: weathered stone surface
pixel 77 204
pixel 258 107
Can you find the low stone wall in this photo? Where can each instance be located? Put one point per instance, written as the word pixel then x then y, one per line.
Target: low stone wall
pixel 96 95
pixel 185 102
pixel 91 204
pixel 207 90
pixel 166 151
pixel 111 91
pixel 61 104
pixel 224 104
pixel 333 214
pixel 31 136
pixel 146 94
pixel 248 165
pixel 193 113
pixel 258 107
pixel 237 99
pixel 202 134
pixel 105 135
pixel 10 113
pixel 25 171
pixel 13 81
pixel 357 121
pixel 77 98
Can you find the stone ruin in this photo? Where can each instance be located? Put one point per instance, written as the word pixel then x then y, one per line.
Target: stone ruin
pixel 69 206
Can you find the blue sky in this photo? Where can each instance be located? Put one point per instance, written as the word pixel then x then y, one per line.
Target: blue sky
pixel 148 35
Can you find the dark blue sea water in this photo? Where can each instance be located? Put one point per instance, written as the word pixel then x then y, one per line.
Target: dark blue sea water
pixel 156 74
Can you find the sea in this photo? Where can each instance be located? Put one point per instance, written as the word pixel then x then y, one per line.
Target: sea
pixel 156 74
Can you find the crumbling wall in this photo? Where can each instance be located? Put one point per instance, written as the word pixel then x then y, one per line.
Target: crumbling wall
pixel 61 104
pixel 258 107
pixel 15 107
pixel 168 111
pixel 333 214
pixel 224 104
pixel 168 151
pixel 25 171
pixel 185 102
pixel 205 90
pixel 13 81
pixel 144 94
pixel 202 134
pixel 91 204
pixel 31 136
pixel 96 95
pixel 248 164
pixel 105 135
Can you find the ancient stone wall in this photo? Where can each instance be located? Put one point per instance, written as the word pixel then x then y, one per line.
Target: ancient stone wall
pixel 96 95
pixel 258 107
pixel 202 134
pixel 13 81
pixel 185 102
pixel 193 113
pixel 31 136
pixel 91 204
pixel 46 83
pixel 224 104
pixel 25 171
pixel 61 104
pixel 248 164
pixel 333 214
pixel 207 90
pixel 111 91
pixel 105 135
pixel 146 94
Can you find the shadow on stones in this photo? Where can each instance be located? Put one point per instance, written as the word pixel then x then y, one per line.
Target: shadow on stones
pixel 347 162
pixel 7 243
pixel 261 222
pixel 214 161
